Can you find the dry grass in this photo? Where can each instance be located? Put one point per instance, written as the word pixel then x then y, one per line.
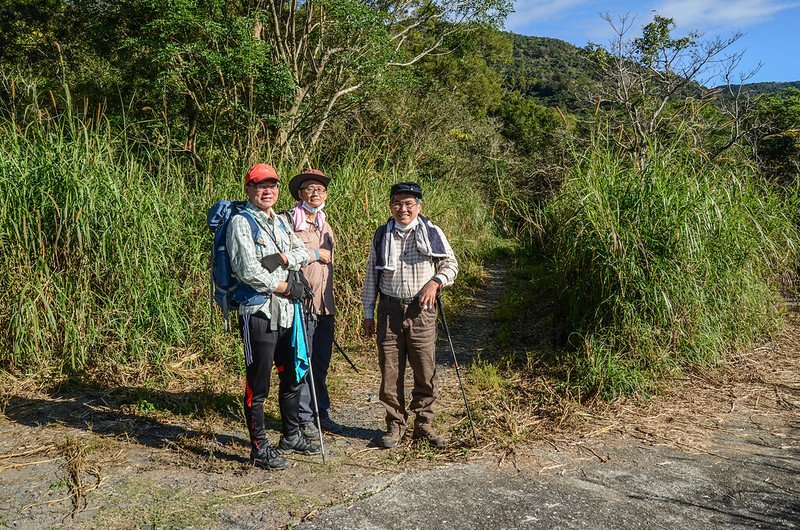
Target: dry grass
pixel 514 410
pixel 692 411
pixel 82 476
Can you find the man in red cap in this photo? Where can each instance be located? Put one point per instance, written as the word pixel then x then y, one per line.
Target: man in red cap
pixel 266 316
pixel 308 218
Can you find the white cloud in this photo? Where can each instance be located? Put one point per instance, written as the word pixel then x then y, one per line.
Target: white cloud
pixel 532 11
pixel 719 14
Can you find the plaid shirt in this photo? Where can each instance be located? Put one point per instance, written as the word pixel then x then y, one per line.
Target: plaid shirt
pixel 413 271
pixel 246 261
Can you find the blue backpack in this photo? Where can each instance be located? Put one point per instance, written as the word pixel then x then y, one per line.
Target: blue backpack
pixel 225 289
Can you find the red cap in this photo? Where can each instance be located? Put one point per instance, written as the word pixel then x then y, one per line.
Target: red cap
pixel 259 172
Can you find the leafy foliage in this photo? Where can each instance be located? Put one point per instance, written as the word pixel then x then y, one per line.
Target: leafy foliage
pixel 778 138
pixel 203 61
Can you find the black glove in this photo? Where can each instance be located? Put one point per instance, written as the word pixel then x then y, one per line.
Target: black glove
pixel 272 262
pixel 297 287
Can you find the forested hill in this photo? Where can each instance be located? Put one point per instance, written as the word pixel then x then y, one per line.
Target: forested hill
pixel 556 73
pixel 768 87
pixel 551 70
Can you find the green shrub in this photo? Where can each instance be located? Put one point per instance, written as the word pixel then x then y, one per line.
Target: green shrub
pixel 666 267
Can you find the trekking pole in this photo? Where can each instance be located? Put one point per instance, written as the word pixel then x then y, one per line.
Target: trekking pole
pixel 313 388
pixel 210 295
pixel 345 355
pixel 458 371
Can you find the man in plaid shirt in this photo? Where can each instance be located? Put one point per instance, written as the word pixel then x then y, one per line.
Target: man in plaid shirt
pixel 410 261
pixel 265 319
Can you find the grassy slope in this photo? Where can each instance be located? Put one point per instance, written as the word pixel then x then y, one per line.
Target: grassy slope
pixel 641 273
pixel 105 250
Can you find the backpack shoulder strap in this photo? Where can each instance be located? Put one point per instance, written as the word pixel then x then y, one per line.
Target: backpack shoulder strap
pixel 377 241
pixel 284 218
pixel 254 228
pixel 378 238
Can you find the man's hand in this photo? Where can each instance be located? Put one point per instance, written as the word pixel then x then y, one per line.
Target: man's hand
pixel 324 255
pixel 427 296
pixel 369 327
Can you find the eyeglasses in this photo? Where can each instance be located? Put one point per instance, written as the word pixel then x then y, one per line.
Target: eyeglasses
pixel 264 186
pixel 314 189
pixel 408 205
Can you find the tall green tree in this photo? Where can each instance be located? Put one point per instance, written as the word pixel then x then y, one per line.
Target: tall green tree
pixel 653 83
pixel 340 51
pixel 204 60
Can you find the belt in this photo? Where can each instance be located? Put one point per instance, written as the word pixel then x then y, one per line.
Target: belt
pixel 402 301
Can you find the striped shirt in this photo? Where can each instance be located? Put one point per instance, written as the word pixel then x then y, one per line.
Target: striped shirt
pixel 413 271
pixel 246 257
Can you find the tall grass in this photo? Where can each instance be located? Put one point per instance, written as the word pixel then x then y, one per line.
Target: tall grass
pixel 102 256
pixel 104 248
pixel 667 267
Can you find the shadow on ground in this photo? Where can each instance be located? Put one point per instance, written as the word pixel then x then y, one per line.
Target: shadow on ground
pixel 133 413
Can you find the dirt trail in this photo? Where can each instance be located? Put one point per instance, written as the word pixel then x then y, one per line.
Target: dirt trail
pixel 138 457
pixel 718 451
pixel 727 454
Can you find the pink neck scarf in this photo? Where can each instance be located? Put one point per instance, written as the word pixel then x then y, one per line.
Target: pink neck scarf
pixel 299 218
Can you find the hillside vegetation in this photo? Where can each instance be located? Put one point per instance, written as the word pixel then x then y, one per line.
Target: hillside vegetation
pixel 656 222
pixel 768 87
pixel 553 72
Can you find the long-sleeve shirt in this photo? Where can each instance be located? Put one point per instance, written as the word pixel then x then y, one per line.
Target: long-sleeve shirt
pixel 412 272
pixel 246 257
pixel 318 274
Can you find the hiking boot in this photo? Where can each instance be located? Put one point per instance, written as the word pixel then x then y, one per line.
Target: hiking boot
pixel 309 430
pixel 268 458
pixel 328 425
pixel 392 437
pixel 298 444
pixel 425 431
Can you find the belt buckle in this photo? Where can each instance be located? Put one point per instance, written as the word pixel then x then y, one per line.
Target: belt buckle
pixel 407 301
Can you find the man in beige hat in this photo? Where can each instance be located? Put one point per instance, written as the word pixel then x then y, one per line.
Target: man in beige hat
pixel 309 221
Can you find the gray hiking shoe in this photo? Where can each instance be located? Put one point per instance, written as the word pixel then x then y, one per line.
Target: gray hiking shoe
pixel 394 433
pixel 309 430
pixel 268 458
pixel 298 444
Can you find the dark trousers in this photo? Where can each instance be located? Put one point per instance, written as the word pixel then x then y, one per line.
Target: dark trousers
pixel 262 347
pixel 319 330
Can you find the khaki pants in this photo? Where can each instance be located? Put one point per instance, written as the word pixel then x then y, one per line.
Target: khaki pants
pixel 406 332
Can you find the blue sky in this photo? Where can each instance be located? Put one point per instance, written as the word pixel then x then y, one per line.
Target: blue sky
pixel 771 27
